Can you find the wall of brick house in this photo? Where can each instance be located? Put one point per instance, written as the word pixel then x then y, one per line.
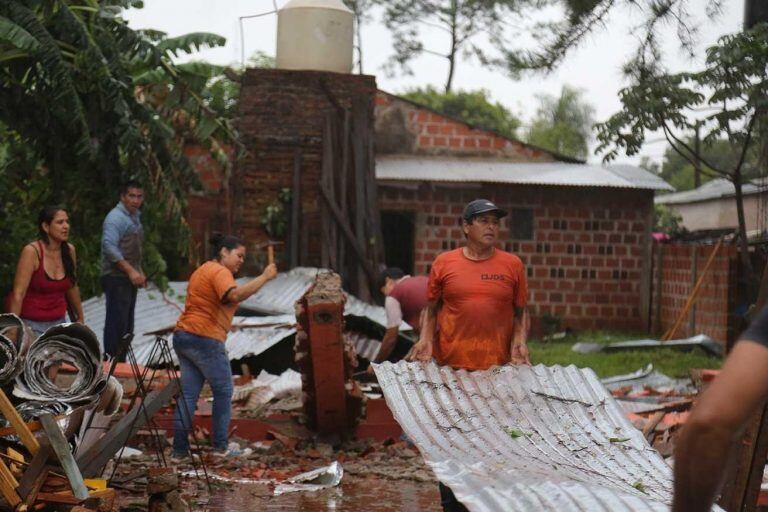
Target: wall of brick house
pixel 588 261
pixel 677 266
pixel 403 127
pixel 208 209
pixel 281 112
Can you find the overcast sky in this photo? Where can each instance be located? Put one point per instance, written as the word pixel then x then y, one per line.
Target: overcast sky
pixel 595 67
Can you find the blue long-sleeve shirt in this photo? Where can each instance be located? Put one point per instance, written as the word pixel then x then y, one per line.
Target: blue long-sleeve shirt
pixel 122 239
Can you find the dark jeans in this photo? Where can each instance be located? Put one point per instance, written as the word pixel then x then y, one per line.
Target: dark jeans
pixel 120 295
pixel 449 501
pixel 202 359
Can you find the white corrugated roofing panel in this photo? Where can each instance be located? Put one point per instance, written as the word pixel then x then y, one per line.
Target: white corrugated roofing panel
pixel 442 169
pixel 278 297
pixel 156 311
pixel 713 189
pixel 519 438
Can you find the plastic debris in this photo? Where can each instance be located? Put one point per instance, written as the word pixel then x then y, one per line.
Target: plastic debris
pixel 315 480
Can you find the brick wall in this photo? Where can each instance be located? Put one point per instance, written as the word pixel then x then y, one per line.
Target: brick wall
pixel 676 268
pixel 404 127
pixel 588 261
pixel 280 112
pixel 207 209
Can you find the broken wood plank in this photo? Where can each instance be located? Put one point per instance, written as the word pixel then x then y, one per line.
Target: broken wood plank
pixel 92 460
pixel 347 231
pixel 35 470
pixel 14 418
pixel 8 485
pixel 60 447
pixel 652 423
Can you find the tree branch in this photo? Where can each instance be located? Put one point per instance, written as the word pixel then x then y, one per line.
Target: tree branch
pixel 689 149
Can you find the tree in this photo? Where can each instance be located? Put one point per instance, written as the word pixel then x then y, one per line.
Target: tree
pixel 665 220
pixel 472 107
pixel 361 10
pixel 578 19
pixel 732 87
pixel 563 124
pixel 88 102
pixel 679 172
pixel 463 21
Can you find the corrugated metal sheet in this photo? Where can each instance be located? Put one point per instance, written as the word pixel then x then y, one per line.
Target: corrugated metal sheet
pixel 278 297
pixel 443 169
pixel 519 438
pixel 714 189
pixel 156 311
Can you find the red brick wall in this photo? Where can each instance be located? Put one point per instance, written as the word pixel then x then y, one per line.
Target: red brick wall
pixel 710 315
pixel 207 210
pixel 586 261
pixel 280 111
pixel 404 127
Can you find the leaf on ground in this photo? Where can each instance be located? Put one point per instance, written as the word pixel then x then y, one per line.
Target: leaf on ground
pixel 618 439
pixel 639 486
pixel 514 433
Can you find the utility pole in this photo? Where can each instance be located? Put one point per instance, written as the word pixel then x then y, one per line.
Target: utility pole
pixel 697 156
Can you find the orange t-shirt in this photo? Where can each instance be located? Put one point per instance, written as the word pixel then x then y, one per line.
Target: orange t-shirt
pixel 204 312
pixel 476 317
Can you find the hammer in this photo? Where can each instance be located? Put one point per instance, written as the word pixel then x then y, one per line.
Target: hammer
pixel 270 245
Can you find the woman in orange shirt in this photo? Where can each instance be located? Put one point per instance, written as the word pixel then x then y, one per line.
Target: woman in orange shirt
pixel 201 331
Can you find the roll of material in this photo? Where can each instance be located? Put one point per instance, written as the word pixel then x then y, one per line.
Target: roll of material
pixel 15 338
pixel 73 344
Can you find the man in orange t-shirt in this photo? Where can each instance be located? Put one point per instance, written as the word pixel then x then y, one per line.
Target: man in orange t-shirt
pixel 477 316
pixel 476 310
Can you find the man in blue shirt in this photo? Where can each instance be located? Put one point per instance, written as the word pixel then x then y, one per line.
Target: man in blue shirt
pixel 121 274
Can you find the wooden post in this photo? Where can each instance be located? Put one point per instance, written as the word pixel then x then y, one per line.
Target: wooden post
pixel 694 276
pixel 657 327
pixel 293 258
pixel 12 415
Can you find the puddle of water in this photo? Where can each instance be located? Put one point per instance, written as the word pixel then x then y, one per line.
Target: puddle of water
pixel 353 495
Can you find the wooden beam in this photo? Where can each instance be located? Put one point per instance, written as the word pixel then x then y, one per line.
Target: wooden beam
pixel 28 439
pixel 60 447
pixel 347 231
pixel 8 485
pixel 92 460
pixel 35 471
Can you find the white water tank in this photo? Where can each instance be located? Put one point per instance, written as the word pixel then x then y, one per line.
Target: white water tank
pixel 315 34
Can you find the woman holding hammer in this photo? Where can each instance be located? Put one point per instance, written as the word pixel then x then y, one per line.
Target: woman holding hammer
pixel 212 299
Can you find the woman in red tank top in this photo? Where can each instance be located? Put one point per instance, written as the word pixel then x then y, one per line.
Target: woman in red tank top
pixel 45 281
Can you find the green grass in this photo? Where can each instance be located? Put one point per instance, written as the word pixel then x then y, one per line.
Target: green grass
pixel 668 361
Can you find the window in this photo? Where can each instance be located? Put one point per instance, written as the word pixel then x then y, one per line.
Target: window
pixel 521 224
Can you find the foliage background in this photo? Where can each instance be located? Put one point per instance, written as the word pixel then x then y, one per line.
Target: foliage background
pixel 88 103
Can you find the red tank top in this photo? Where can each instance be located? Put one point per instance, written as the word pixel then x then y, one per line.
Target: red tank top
pixel 45 300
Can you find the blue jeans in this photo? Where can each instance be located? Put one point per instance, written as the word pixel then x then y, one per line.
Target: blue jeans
pixel 202 359
pixel 121 302
pixel 40 326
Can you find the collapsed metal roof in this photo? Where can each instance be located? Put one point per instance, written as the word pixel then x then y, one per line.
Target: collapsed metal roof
pixel 251 335
pixel 476 170
pixel 525 438
pixel 278 297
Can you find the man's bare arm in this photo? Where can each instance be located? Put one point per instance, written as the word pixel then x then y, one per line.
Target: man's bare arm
pixel 716 423
pixel 387 345
pixel 519 349
pixel 422 349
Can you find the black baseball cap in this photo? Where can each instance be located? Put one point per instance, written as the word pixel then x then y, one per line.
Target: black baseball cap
pixel 478 206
